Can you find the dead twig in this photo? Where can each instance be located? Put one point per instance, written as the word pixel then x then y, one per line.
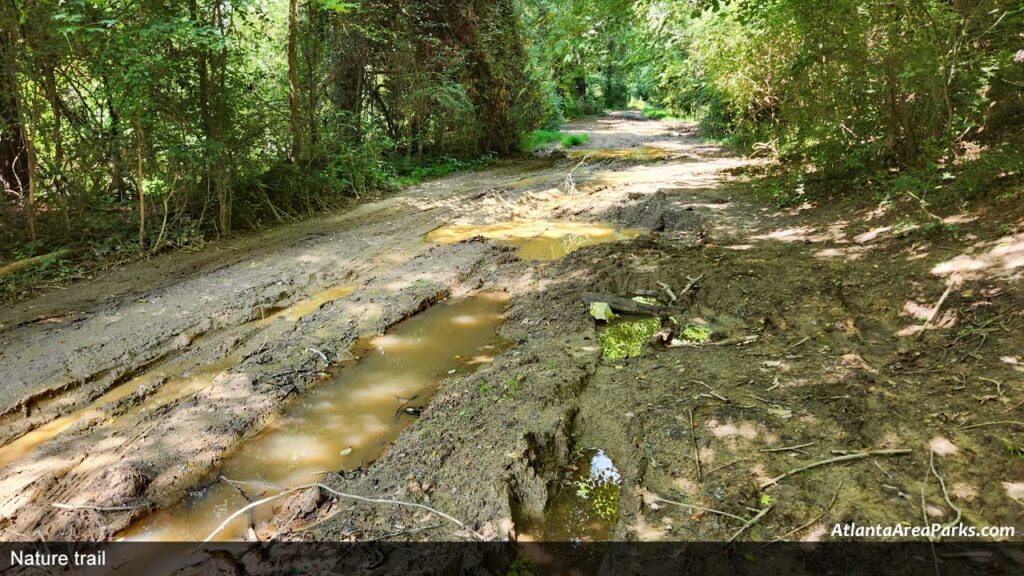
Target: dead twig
pixel 835 460
pixel 570 183
pixel 812 520
pixel 945 493
pixel 1012 408
pixel 935 311
pixel 693 282
pixel 788 448
pixel 798 344
pixel 696 452
pixel 701 508
pixel 724 466
pixel 668 290
pixel 752 521
pixel 738 341
pixel 712 391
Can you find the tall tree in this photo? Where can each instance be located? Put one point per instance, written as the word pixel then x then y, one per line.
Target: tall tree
pixel 293 79
pixel 13 154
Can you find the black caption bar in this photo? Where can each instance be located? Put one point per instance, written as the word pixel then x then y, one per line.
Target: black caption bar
pixel 512 559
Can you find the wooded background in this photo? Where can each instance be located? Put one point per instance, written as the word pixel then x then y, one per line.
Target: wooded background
pixel 134 126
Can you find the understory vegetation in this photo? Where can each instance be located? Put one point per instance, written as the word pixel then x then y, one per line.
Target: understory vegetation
pixel 133 127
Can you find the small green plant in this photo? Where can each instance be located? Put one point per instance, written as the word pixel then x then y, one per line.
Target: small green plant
pixel 571 140
pixel 540 139
pixel 655 112
pixel 1013 450
pixel 487 392
pixel 694 333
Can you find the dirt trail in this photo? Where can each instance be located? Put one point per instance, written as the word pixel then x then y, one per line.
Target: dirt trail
pixel 833 299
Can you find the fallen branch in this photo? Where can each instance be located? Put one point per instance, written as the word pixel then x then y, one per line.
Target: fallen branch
pixel 19 265
pixel 570 182
pixel 668 290
pixel 738 341
pixel 334 492
pixel 702 509
pixel 693 282
pixel 935 311
pixel 628 306
pixel 724 466
pixel 751 522
pixel 696 452
pixel 788 448
pixel 836 460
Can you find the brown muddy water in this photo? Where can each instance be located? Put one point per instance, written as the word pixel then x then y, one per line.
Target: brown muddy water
pixel 300 310
pixel 585 507
pixel 537 239
pixel 345 422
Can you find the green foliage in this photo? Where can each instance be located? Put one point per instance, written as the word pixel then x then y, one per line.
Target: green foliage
pixel 540 139
pixel 655 112
pixel 694 333
pixel 195 90
pixel 627 339
pixel 571 140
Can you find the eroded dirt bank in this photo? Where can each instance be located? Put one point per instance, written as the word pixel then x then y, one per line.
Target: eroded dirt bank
pixel 817 344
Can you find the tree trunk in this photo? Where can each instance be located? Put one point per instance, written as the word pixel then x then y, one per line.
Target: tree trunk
pixel 222 168
pixel 13 153
pixel 141 183
pixel 56 108
pixel 312 53
pixel 293 78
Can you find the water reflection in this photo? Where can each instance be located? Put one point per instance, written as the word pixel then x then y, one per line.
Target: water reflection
pixel 344 422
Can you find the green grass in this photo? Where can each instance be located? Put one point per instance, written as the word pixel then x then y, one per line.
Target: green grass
pixel 570 140
pixel 655 112
pixel 539 139
pixel 410 175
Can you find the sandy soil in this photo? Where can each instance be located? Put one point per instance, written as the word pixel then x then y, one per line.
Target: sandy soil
pixel 837 299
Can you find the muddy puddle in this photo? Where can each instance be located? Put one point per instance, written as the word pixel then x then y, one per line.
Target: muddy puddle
pixel 585 507
pixel 178 381
pixel 537 239
pixel 300 310
pixel 345 422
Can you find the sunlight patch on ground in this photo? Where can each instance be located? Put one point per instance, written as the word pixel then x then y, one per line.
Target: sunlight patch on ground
pixel 536 239
pixel 1003 257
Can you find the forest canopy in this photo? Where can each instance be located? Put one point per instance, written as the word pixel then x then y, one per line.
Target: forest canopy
pixel 134 126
